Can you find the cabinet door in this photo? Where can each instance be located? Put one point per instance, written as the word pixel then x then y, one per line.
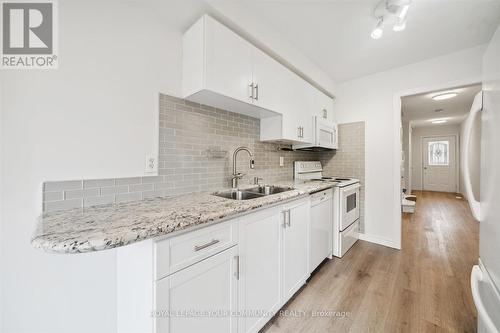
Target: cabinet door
pixel 274 89
pixel 295 249
pixel 259 284
pixel 228 62
pixel 323 106
pixel 295 121
pixel 183 299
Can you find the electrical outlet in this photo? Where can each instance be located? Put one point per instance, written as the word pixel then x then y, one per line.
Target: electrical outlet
pixel 282 161
pixel 151 164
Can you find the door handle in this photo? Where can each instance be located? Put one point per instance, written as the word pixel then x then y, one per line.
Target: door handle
pixel 476 277
pixel 477 106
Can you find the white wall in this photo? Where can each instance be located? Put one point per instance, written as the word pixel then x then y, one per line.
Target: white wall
pixel 374 99
pixel 417 134
pixel 474 160
pixel 96 116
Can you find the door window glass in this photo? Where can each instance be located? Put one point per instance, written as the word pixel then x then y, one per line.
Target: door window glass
pixel 438 152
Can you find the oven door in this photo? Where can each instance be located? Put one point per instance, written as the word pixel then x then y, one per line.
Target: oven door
pixel 349 206
pixel 326 133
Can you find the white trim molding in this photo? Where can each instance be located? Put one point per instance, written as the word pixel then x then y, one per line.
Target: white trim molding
pixel 380 241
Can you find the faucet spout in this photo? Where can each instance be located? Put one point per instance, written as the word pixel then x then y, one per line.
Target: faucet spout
pixel 236 175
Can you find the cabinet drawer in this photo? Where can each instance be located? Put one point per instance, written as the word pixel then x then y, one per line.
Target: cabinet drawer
pixel 179 252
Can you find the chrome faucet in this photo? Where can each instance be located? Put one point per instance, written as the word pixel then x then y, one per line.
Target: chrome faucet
pixel 238 175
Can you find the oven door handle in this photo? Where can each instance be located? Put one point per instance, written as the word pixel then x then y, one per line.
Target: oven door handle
pixel 350 188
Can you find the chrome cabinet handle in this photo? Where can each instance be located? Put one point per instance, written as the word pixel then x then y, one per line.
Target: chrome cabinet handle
pixel 237 273
pixel 288 218
pixel 257 92
pixel 251 90
pixel 204 246
pixel 298 134
pixel 325 113
pixel 284 219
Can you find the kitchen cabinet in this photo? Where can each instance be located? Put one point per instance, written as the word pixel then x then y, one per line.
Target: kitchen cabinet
pixel 198 297
pixel 223 70
pixel 260 268
pixel 273 260
pixel 295 247
pixel 323 105
pixel 247 267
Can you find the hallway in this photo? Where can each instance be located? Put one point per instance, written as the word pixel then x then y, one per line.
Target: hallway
pixel 422 288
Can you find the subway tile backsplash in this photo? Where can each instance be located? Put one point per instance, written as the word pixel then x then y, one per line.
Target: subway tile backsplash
pixel 93 192
pixel 196 146
pixel 349 159
pixel 197 143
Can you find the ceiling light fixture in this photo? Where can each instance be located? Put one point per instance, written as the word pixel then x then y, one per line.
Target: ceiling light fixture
pixel 391 12
pixel 445 95
pixel 378 31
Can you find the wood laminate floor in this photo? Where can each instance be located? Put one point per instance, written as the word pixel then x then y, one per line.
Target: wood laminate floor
pixel 422 288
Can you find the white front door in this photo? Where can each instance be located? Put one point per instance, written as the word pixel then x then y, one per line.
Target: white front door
pixel 439 164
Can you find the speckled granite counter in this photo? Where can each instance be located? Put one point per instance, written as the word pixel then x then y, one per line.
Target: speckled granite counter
pixel 109 226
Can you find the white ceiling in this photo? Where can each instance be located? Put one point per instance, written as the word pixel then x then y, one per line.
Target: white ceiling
pixel 420 109
pixel 335 34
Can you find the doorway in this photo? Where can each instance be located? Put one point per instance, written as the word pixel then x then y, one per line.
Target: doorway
pixel 439 163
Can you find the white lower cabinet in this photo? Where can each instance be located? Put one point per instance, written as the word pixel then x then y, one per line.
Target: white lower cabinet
pixel 259 243
pixel 199 298
pixel 295 248
pixel 229 277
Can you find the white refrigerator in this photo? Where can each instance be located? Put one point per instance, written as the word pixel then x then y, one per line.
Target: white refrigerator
pixel 485 277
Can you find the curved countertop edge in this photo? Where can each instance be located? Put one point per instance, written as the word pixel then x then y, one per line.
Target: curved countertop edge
pixel 89 230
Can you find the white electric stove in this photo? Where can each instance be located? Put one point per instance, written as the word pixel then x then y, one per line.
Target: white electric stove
pixel 345 221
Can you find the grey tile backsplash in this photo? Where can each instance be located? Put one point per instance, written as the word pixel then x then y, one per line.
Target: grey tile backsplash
pixel 196 146
pixel 349 159
pixel 93 192
pixel 197 143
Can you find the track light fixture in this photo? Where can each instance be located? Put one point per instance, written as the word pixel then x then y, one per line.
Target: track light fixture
pixel 390 12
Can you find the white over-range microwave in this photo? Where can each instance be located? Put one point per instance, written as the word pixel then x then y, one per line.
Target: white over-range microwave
pixel 325 136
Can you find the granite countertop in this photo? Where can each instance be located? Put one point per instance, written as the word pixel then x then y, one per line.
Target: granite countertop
pixel 109 226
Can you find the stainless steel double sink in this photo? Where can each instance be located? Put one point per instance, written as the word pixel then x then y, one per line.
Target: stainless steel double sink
pixel 252 193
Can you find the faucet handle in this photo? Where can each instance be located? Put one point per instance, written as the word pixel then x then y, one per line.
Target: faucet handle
pixel 238 175
pixel 256 180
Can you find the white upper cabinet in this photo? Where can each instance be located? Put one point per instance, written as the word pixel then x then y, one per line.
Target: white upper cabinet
pixel 228 69
pixel 323 105
pixel 223 70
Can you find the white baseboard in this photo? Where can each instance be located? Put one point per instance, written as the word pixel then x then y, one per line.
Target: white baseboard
pixel 380 240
